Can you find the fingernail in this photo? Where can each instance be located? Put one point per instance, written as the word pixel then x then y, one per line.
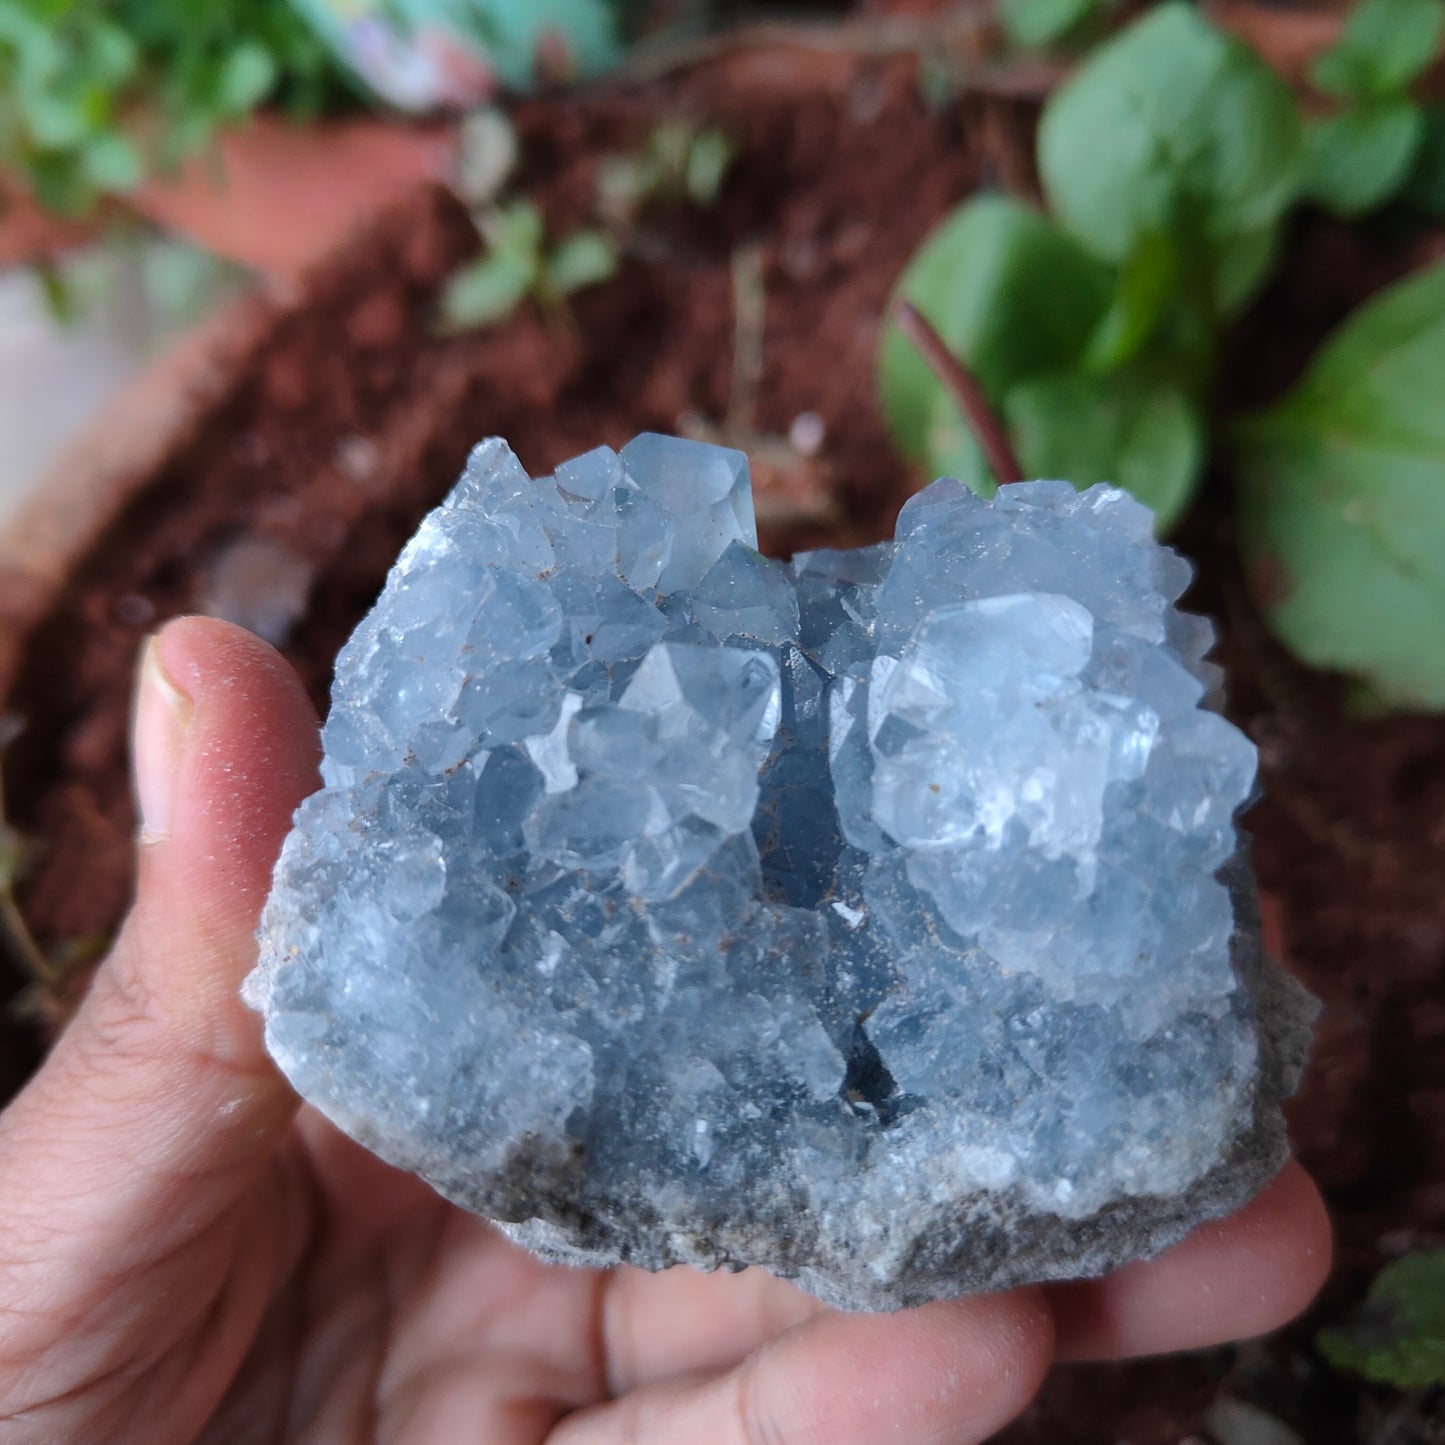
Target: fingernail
pixel 162 719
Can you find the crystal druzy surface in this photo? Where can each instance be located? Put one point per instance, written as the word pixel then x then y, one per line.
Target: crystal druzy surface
pixel 879 918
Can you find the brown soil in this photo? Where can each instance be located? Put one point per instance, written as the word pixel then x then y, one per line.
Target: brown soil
pixel 356 417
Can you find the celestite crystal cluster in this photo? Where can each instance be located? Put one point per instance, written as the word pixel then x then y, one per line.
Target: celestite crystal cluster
pixel 879 918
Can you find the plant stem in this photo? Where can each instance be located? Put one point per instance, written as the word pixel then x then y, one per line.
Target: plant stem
pixel 963 386
pixel 750 300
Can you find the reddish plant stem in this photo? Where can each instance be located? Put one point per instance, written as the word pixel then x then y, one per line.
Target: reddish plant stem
pixel 962 385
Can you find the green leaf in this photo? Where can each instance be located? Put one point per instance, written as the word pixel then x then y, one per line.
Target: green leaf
pixel 1169 127
pixel 668 146
pixel 56 120
pixel 487 291
pixel 1385 46
pixel 1241 266
pixel 1032 23
pixel 1359 159
pixel 1007 291
pixel 585 258
pixel 83 82
pixel 246 78
pixel 487 154
pixel 1127 430
pixel 112 163
pixel 59 184
pixel 114 55
pixel 1398 1335
pixel 1425 188
pixel 948 448
pixel 1142 296
pixel 1342 500
pixel 517 230
pixel 708 160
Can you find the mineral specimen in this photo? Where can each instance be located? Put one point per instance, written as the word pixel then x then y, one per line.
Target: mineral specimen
pixel 879 918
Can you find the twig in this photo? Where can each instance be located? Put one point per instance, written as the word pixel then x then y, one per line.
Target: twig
pixel 962 385
pixel 750 300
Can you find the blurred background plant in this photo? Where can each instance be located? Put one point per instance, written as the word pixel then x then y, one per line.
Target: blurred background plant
pixel 1397 1335
pixel 1169 162
pixel 97 94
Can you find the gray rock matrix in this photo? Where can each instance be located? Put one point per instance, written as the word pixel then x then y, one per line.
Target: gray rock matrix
pixel 878 918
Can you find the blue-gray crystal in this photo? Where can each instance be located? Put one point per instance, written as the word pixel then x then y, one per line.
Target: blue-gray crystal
pixel 879 918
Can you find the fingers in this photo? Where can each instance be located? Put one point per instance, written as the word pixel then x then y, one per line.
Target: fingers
pixel 680 1322
pixel 157 1103
pixel 1228 1280
pixel 953 1372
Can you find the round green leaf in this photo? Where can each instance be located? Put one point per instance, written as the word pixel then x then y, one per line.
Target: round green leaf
pixel 1125 430
pixel 1385 46
pixel 56 119
pixel 114 55
pixel 487 291
pixel 1241 266
pixel 112 163
pixel 487 154
pixel 1397 1337
pixel 585 258
pixel 517 230
pixel 1342 500
pixel 1007 291
pixel 1169 125
pixel 708 159
pixel 1359 159
pixel 247 76
pixel 1032 23
pixel 1085 429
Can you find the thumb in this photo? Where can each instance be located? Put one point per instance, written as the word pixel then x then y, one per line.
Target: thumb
pixel 158 1104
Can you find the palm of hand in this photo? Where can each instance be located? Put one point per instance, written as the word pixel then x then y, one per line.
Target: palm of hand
pixel 185 1256
pixel 396 1317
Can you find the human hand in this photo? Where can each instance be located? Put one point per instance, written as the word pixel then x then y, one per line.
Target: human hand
pixel 187 1255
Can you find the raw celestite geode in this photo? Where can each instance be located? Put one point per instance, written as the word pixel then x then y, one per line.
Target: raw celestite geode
pixel 879 918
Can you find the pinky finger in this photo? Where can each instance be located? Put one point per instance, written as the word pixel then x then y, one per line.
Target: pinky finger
pixel 1228 1280
pixel 950 1373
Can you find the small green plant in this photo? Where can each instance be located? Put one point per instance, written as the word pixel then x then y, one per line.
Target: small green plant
pixel 1033 23
pixel 1397 1336
pixel 96 94
pixel 1095 331
pixel 1367 152
pixel 1167 162
pixel 1342 500
pixel 680 164
pixel 518 262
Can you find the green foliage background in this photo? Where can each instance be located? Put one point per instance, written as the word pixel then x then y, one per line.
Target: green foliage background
pixel 1170 161
pixel 96 94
